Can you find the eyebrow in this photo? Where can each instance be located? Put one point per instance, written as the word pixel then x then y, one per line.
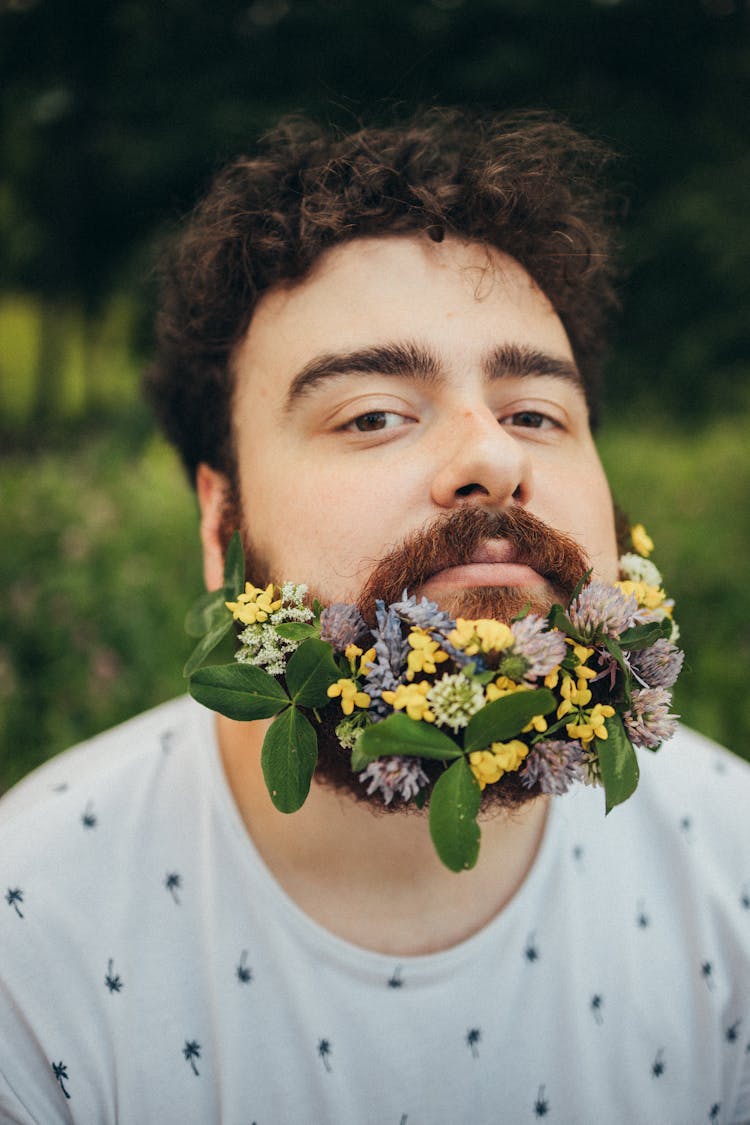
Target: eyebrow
pixel 407 359
pixel 413 360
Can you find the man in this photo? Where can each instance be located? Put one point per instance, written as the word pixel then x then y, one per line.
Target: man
pixel 367 343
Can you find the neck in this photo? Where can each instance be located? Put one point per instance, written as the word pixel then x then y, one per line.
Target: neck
pixel 375 880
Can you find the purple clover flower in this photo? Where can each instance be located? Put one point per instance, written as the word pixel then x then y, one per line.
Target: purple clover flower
pixel 394 777
pixel 541 649
pixel 341 625
pixel 658 666
pixel 555 764
pixel 602 610
pixel 648 722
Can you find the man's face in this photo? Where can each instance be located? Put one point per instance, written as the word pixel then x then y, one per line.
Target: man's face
pixel 401 381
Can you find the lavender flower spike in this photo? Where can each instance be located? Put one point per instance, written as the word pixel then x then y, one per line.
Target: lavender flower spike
pixel 601 610
pixel 423 614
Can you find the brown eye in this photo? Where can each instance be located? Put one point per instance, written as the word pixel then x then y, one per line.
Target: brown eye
pixel 375 420
pixel 530 419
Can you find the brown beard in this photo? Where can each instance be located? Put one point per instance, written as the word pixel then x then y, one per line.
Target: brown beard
pixel 448 541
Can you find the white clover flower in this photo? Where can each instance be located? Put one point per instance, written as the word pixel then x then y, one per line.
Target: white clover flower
pixel 634 568
pixel 454 699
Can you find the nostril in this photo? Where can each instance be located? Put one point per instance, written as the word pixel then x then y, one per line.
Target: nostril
pixel 471 489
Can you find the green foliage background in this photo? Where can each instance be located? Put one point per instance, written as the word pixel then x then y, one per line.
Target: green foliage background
pixel 114 115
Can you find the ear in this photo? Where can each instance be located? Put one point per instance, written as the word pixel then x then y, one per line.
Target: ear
pixel 212 488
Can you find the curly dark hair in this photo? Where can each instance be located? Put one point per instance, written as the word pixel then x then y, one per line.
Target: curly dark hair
pixel 527 184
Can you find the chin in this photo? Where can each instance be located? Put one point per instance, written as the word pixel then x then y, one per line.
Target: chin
pixel 502 603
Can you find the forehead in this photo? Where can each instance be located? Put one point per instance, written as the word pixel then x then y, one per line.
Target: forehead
pixel 459 299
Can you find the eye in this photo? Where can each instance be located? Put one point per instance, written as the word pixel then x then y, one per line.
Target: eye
pixel 375 420
pixel 529 420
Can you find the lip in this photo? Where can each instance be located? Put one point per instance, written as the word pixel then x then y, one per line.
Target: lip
pixel 492 563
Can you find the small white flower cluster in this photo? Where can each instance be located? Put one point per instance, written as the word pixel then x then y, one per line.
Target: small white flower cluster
pixel 634 568
pixel 454 699
pixel 261 644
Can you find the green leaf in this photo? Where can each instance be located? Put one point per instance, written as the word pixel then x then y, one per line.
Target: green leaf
pixel 454 804
pixel 641 636
pixel 359 760
pixel 206 612
pixel 238 691
pixel 580 584
pixel 295 630
pixel 398 734
pixel 618 763
pixel 310 672
pixel 613 648
pixel 288 758
pixel 234 568
pixel 206 646
pixel 505 718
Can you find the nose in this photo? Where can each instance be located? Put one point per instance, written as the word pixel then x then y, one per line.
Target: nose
pixel 480 464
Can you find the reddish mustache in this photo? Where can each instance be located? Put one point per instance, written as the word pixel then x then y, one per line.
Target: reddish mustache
pixel 451 541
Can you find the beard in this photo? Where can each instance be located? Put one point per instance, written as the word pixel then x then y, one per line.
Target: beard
pixel 447 542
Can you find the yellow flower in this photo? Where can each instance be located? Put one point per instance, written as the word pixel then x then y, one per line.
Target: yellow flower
pixel 351 652
pixel 503 686
pixel 255 605
pixel 642 542
pixel 425 654
pixel 350 695
pixel 591 724
pixel 488 766
pixel 537 723
pixel 411 698
pixel 648 597
pixel 552 678
pixel 574 696
pixel 483 635
pixel 582 654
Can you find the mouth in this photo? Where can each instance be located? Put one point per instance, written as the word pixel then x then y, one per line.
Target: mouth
pixel 494 562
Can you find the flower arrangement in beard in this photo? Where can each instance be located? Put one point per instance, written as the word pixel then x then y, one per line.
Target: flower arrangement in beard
pixel 431 707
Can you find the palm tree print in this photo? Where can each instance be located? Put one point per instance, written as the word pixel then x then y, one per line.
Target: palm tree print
pixel 192 1051
pixel 732 1033
pixel 173 882
pixel 113 982
pixel 642 920
pixel 61 1074
pixel 715 1110
pixel 473 1035
pixel 541 1105
pixel 707 973
pixel 745 897
pixel 244 974
pixel 658 1066
pixel 88 819
pixel 395 980
pixel 597 1002
pixel 531 953
pixel 13 897
pixel 324 1050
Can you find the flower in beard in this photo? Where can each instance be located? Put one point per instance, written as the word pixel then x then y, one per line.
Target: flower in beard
pixel 388 669
pixel 553 764
pixel 648 722
pixel 634 568
pixel 394 777
pixel 536 650
pixel 454 699
pixel 601 610
pixel 342 625
pixel 423 614
pixel 659 665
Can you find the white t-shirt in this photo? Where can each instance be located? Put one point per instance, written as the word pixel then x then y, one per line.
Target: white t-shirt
pixel 152 970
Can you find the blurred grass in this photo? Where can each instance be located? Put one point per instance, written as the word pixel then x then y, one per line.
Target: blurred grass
pixel 102 560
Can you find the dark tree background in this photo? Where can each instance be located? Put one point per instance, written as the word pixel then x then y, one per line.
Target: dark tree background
pixel 114 115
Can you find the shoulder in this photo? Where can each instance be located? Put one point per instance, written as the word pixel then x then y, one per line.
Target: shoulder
pixel 107 771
